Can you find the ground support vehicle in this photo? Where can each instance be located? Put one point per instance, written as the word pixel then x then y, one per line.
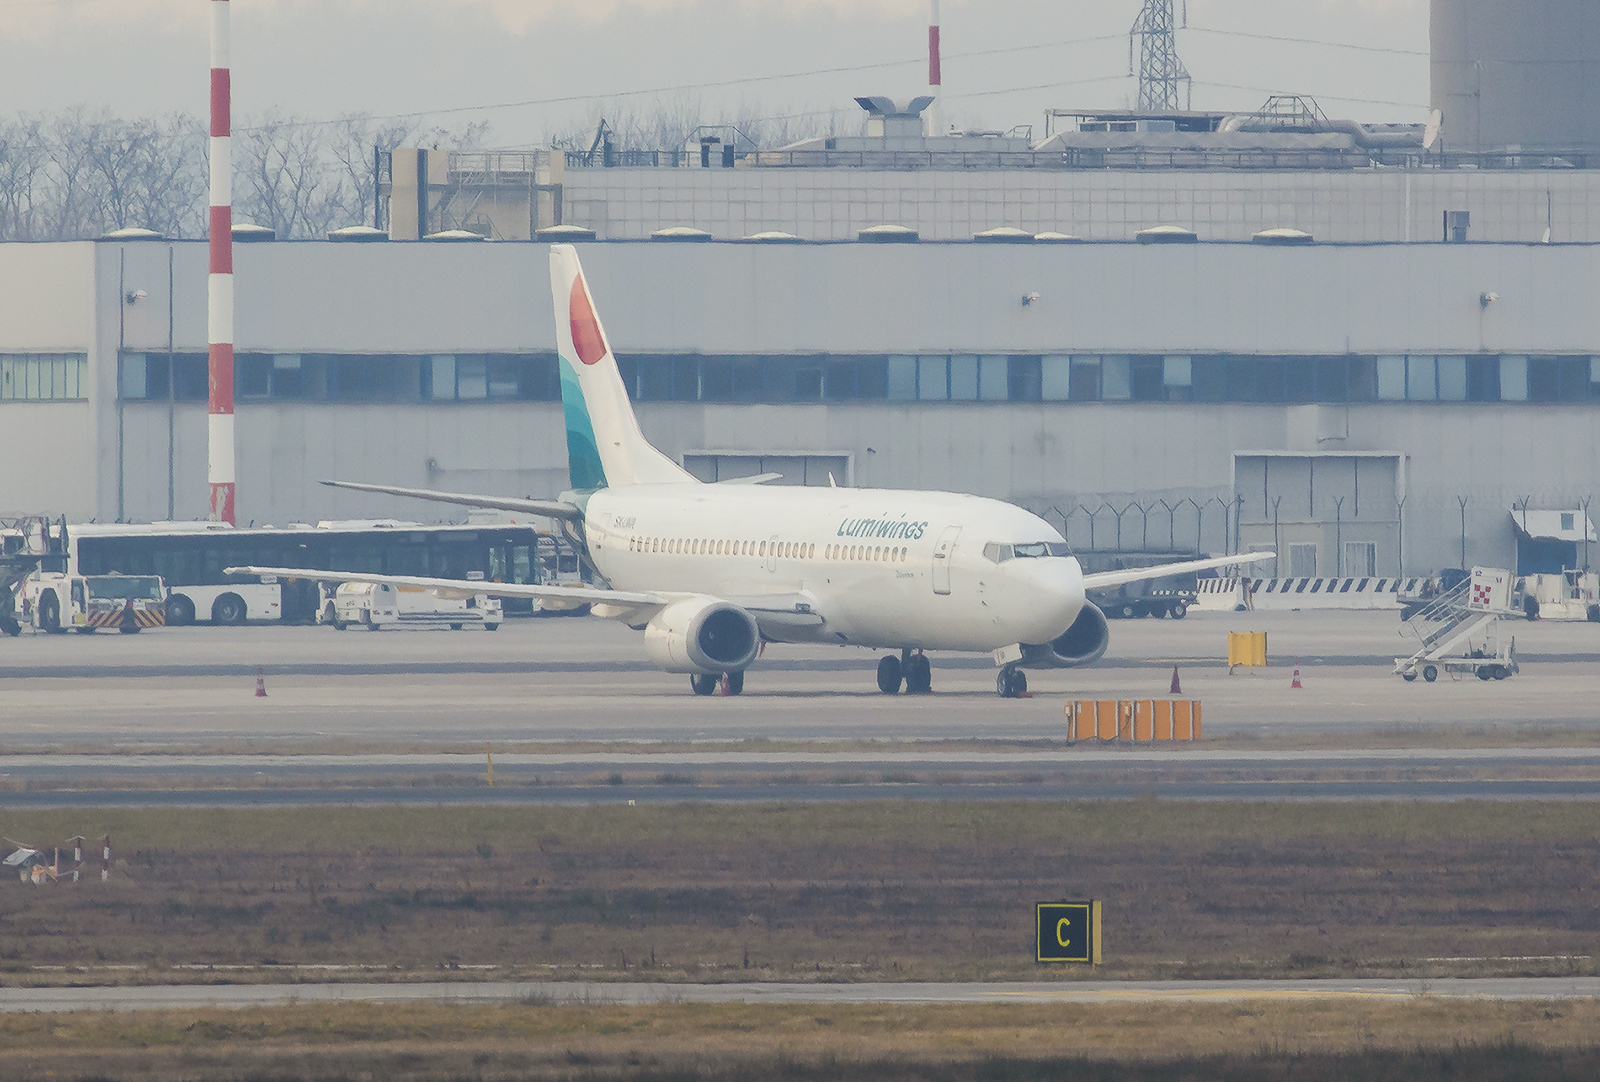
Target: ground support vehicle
pixel 1457 631
pixel 1571 595
pixel 54 602
pixel 375 606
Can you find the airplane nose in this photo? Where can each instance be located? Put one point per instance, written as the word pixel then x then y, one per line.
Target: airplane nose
pixel 1055 594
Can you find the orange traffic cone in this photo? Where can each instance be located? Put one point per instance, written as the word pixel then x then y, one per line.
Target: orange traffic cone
pixel 261 683
pixel 1177 688
pixel 1295 683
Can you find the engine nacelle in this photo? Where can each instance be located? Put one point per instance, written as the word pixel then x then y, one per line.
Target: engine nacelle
pixel 702 635
pixel 1081 644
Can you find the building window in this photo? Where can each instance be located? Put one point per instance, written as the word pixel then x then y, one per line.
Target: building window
pixel 1452 379
pixel 1422 379
pixel 1024 379
pixel 1513 379
pixel 1085 382
pixel 1177 378
pixel 933 379
pixel 150 376
pixel 1055 378
pixel 1483 379
pixel 1391 379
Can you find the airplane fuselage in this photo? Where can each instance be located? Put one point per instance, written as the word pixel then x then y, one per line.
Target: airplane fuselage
pixel 890 569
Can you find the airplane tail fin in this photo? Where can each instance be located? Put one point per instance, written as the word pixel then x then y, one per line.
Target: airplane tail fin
pixel 605 447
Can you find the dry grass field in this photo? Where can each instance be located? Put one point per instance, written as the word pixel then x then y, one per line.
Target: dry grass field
pixel 1308 1041
pixel 880 891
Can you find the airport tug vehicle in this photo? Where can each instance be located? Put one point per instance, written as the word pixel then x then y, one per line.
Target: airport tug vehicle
pixel 55 603
pixel 1456 632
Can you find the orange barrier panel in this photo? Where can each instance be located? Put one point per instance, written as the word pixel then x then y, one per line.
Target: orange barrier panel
pixel 1136 720
pixel 1162 721
pixel 1105 719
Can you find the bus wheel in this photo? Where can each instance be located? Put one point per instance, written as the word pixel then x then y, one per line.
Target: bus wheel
pixel 228 610
pixel 180 611
pixel 456 627
pixel 50 612
pixel 491 627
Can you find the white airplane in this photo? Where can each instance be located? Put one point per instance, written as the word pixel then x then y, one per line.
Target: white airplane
pixel 709 572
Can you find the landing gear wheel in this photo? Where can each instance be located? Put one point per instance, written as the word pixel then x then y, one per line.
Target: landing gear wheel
pixel 1011 683
pixel 890 676
pixel 11 627
pixel 703 683
pixel 1409 677
pixel 735 682
pixel 1430 673
pixel 919 675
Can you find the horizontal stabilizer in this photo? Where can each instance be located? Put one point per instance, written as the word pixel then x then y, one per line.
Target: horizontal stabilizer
pixel 1101 580
pixel 547 508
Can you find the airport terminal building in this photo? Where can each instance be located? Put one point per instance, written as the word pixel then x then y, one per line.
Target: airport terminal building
pixel 1362 408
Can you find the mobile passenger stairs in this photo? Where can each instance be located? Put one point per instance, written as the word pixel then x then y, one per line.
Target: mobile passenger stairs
pixel 1457 630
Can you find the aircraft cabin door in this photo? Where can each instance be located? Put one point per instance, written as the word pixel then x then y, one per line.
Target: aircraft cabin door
pixel 943 552
pixel 772 553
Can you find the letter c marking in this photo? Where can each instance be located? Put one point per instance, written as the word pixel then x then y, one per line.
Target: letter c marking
pixel 1060 924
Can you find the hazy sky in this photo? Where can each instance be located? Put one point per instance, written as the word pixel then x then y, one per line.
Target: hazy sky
pixel 579 59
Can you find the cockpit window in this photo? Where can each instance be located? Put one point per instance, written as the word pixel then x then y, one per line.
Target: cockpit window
pixel 1036 549
pixel 998 553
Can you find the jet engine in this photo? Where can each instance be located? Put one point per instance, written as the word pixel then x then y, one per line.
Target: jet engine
pixel 1080 645
pixel 702 635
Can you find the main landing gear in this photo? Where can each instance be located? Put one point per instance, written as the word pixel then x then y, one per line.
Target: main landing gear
pixel 1011 682
pixel 911 669
pixel 706 683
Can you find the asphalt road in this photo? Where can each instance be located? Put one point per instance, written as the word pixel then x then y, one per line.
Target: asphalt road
pixel 189 997
pixel 586 679
pixel 1078 773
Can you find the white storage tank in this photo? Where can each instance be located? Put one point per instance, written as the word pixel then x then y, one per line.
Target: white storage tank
pixel 1517 74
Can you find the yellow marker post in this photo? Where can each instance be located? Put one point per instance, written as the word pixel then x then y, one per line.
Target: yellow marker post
pixel 488 754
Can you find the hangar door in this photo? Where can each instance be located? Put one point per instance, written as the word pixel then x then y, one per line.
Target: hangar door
pixel 1325 515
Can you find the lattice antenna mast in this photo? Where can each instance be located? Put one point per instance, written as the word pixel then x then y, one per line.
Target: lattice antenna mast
pixel 1160 70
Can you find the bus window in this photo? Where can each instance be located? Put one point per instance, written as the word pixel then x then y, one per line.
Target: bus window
pixel 407 559
pixel 521 564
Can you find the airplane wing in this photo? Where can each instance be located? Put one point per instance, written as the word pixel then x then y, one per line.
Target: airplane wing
pixel 1100 580
pixel 460 589
pixel 547 508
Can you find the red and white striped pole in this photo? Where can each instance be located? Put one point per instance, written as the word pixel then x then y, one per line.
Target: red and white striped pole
pixel 105 859
pixel 934 77
pixel 219 306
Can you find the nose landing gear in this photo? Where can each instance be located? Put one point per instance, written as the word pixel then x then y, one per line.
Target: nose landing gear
pixel 1011 682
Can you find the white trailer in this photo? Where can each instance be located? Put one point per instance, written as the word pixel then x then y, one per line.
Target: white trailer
pixel 1457 631
pixel 375 606
pixel 1571 595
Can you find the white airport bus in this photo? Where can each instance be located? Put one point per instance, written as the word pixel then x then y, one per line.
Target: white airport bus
pixel 190 557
